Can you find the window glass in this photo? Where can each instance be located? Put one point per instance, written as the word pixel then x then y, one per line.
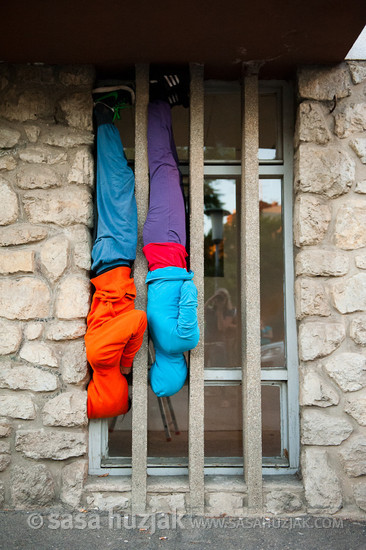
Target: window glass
pixel 223 421
pixel 271 273
pixel 221 281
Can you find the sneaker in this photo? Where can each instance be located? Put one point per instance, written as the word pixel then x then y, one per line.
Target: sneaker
pixel 114 98
pixel 171 86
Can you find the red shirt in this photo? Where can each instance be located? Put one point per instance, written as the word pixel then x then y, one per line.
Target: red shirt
pixel 165 255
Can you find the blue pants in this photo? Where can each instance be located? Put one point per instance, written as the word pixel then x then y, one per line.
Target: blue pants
pixel 116 236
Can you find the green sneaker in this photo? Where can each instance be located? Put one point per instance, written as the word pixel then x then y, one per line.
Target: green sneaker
pixel 114 98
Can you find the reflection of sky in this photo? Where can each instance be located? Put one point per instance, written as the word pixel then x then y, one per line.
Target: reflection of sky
pixel 226 190
pixel 270 190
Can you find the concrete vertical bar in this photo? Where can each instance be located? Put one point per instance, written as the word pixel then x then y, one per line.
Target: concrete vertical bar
pixel 196 381
pixel 250 294
pixel 139 392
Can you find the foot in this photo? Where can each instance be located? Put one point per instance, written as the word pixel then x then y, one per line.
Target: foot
pixel 171 86
pixel 114 98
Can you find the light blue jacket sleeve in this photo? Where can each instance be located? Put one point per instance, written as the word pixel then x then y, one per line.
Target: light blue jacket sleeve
pixel 172 318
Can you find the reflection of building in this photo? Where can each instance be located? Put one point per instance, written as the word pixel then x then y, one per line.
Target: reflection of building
pixel 46 166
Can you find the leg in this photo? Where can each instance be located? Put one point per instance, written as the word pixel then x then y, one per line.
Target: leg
pixel 165 221
pixel 116 237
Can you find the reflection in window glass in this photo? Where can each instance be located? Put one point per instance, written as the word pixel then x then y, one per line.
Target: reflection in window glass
pixel 270 147
pixel 221 282
pixel 223 421
pixel 167 428
pixel 271 273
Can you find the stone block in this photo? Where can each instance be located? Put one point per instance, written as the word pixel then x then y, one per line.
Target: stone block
pixel 32 104
pixel 283 502
pixel 65 330
pixel 359 492
pixel 351 119
pixel 77 75
pixel 64 136
pixel 5 427
pixel 38 353
pixel 319 339
pixel 311 123
pixel 310 298
pixel 10 336
pixel 353 456
pixel 321 428
pixel 361 187
pixel 27 378
pixel 34 73
pixel 350 227
pixel 350 294
pixel 42 154
pixel 82 167
pixel 32 132
pixel 73 478
pixel 67 409
pixel 217 503
pixel 66 206
pixel 348 370
pixel 74 365
pixel 359 146
pixel 16 261
pixel 358 330
pixel 81 239
pixel 17 406
pixel 311 220
pixel 54 257
pixel 24 298
pixel 56 445
pixel 355 406
pixel 326 171
pixel 32 485
pixel 30 176
pixel 32 331
pixel 5 455
pixel 9 209
pixel 323 83
pixel 73 297
pixel 323 491
pixel 21 233
pixel 322 263
pixel 7 162
pixel 167 503
pixel 76 110
pixel 105 503
pixel 358 71
pixel 9 137
pixel 316 391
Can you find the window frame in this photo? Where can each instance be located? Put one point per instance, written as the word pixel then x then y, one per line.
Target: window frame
pixel 100 463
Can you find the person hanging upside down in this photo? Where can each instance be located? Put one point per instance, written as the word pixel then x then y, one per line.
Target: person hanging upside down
pixel 172 295
pixel 115 328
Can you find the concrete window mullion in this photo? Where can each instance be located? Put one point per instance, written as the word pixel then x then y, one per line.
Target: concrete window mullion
pixel 140 387
pixel 250 294
pixel 196 379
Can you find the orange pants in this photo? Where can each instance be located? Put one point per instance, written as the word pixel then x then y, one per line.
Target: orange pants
pixel 114 336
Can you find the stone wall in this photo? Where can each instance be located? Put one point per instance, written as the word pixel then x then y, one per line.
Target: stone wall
pixel 330 236
pixel 46 181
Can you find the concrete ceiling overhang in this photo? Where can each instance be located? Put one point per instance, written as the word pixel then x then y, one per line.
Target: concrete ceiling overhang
pixel 115 34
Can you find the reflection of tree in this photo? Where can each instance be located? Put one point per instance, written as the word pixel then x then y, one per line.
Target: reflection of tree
pixel 211 196
pixel 271 269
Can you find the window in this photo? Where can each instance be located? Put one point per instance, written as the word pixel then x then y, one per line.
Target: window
pixel 168 418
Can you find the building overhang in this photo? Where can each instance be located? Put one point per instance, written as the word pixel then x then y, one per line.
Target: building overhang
pixel 278 35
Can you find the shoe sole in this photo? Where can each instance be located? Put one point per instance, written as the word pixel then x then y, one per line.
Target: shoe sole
pixel 106 89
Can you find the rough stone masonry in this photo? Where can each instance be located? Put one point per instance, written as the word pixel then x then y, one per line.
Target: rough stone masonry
pixel 46 184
